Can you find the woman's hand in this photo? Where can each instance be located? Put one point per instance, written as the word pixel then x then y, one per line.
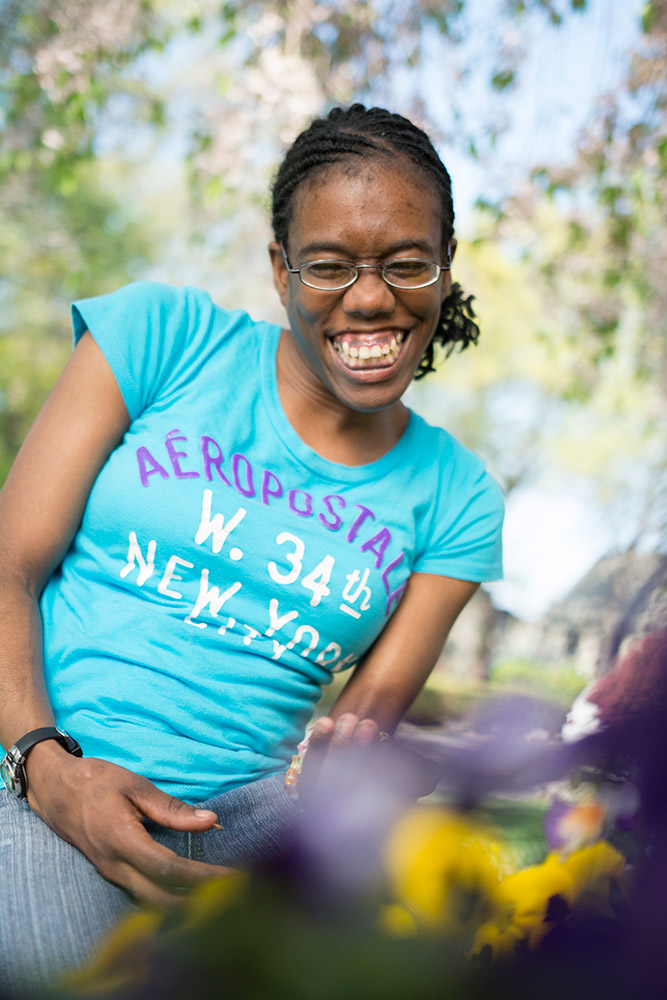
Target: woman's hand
pixel 386 682
pixel 337 744
pixel 99 807
pixel 330 741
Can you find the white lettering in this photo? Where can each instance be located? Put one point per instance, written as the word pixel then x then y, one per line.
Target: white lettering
pixel 300 633
pixel 295 559
pixel 134 554
pixel 231 622
pixel 216 526
pixel 334 649
pixel 276 622
pixel 252 634
pixel 318 580
pixel 169 575
pixel 347 661
pixel 212 597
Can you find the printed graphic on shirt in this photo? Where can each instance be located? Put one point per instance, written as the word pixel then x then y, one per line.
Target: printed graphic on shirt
pixel 371 576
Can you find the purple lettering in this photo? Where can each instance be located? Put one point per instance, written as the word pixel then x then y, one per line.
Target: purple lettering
pixel 354 530
pixel 308 504
pixel 212 460
pixel 337 519
pixel 149 465
pixel 175 455
pixel 267 492
pixel 377 544
pixel 393 596
pixel 249 489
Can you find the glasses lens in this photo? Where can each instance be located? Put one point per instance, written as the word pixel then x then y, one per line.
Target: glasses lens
pixel 411 273
pixel 328 273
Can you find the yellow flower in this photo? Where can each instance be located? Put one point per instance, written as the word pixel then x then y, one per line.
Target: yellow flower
pixel 396 921
pixel 443 870
pixel 501 937
pixel 212 897
pixel 600 860
pixel 527 894
pixel 121 961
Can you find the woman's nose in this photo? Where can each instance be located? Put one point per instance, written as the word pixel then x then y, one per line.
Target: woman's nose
pixel 370 293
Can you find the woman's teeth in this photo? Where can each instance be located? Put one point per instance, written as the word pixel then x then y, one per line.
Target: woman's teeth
pixel 358 357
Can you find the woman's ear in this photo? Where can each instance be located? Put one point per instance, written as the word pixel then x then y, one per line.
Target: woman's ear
pixel 280 272
pixel 447 258
pixel 452 248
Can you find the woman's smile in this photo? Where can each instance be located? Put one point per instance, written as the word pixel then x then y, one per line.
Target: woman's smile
pixel 369 351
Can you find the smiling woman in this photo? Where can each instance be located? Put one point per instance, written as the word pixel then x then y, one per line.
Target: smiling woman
pixel 363 342
pixel 210 517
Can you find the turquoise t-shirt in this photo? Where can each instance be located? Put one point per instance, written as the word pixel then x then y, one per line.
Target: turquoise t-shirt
pixel 223 570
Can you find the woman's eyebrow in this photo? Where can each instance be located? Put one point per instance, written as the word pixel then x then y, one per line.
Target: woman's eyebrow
pixel 344 251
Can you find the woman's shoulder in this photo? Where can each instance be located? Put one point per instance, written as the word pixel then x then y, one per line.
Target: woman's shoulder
pixel 155 335
pixel 457 476
pixel 463 537
pixel 170 317
pixel 147 295
pixel 444 448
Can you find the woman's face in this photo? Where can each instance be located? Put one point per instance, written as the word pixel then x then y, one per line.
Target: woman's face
pixel 374 214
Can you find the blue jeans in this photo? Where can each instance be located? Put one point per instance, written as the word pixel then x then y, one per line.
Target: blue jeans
pixel 55 906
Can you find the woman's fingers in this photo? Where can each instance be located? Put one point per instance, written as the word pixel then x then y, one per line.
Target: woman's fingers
pixel 161 884
pixel 366 732
pixel 100 807
pixel 155 874
pixel 350 730
pixel 169 811
pixel 329 743
pixel 344 730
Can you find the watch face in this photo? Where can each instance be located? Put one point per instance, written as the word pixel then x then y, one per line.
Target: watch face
pixel 7 773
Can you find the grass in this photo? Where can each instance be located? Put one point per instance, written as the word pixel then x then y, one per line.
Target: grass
pixel 559 682
pixel 519 825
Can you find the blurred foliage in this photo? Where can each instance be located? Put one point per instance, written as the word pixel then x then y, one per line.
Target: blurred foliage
pixel 55 246
pixel 560 683
pixel 569 278
pixel 137 139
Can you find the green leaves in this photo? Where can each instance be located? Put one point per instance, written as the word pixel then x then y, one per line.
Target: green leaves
pixel 649 16
pixel 503 79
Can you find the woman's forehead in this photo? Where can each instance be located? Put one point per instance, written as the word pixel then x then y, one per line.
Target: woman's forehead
pixel 376 201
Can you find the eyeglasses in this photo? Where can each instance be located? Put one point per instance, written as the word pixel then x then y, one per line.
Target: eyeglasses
pixel 334 275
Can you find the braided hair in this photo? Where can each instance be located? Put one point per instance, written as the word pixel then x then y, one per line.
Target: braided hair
pixel 375 133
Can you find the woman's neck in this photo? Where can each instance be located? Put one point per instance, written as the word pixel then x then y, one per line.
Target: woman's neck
pixel 333 430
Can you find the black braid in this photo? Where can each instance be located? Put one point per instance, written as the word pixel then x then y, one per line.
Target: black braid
pixel 375 133
pixel 457 326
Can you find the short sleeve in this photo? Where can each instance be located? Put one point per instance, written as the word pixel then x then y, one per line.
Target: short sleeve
pixel 152 335
pixel 465 541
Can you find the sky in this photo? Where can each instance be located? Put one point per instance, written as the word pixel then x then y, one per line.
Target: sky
pixel 560 80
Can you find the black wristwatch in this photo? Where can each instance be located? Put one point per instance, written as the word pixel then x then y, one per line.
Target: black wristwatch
pixel 12 767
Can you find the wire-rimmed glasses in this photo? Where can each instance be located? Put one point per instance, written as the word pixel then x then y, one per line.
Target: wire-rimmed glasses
pixel 401 272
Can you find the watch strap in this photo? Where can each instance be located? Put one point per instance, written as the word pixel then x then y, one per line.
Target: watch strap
pixel 12 766
pixel 36 736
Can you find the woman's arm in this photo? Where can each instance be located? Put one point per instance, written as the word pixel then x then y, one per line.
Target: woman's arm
pixel 386 682
pixel 93 804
